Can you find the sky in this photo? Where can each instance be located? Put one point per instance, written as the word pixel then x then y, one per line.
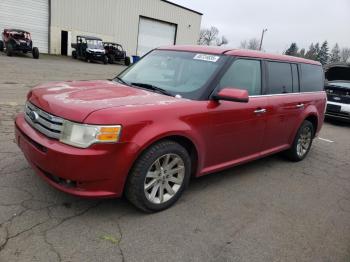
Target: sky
pixel 287 21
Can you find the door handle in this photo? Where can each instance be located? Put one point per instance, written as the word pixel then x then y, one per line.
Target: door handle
pixel 299 106
pixel 260 111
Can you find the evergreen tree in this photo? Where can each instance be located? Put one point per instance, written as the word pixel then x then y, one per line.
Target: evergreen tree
pixel 311 53
pixel 302 52
pixel 292 50
pixel 317 52
pixel 323 55
pixel 335 54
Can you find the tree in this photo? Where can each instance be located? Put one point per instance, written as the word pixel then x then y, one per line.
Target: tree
pixel 292 50
pixel 302 52
pixel 323 55
pixel 335 54
pixel 317 52
pixel 312 52
pixel 252 44
pixel 345 54
pixel 210 36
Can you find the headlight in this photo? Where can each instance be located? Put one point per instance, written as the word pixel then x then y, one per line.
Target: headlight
pixel 88 50
pixel 83 135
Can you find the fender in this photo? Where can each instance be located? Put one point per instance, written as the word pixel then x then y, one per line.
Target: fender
pixel 150 134
pixel 310 110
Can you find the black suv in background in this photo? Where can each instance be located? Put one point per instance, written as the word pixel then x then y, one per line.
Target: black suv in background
pixel 89 48
pixel 338 91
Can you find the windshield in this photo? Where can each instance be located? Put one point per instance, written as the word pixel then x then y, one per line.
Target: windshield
pixel 94 44
pixel 178 73
pixel 341 84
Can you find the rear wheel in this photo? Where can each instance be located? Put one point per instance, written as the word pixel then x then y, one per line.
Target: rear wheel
pixel 9 50
pixel 159 176
pixel 127 61
pixel 74 54
pixel 1 46
pixel 302 142
pixel 35 53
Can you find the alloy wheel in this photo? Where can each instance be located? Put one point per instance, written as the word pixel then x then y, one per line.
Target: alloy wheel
pixel 164 178
pixel 304 141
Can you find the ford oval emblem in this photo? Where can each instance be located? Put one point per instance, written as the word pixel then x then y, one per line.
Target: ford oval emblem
pixel 33 116
pixel 336 98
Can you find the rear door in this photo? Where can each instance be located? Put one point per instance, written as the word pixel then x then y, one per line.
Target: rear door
pixel 284 104
pixel 238 128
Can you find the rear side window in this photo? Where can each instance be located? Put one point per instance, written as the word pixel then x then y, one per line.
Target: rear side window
pixel 280 79
pixel 311 78
pixel 243 74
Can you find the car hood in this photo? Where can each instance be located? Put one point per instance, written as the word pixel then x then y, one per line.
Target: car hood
pixel 75 100
pixel 338 71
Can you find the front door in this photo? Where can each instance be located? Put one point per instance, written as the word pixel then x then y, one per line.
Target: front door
pixel 237 128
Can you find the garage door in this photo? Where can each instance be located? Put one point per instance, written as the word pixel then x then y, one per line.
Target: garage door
pixel 29 15
pixel 154 33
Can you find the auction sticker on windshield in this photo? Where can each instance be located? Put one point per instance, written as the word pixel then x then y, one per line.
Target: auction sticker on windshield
pixel 210 58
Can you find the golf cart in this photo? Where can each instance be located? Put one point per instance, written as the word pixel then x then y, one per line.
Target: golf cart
pixel 89 48
pixel 16 40
pixel 116 53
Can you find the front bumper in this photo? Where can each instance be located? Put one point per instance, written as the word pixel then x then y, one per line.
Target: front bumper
pixel 99 171
pixel 96 57
pixel 22 47
pixel 339 111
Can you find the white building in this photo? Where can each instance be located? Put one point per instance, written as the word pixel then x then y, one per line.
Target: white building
pixel 138 25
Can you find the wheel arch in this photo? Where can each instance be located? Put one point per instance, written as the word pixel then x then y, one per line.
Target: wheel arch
pixel 187 142
pixel 314 121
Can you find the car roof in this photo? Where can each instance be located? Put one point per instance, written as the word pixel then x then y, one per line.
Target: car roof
pixel 89 37
pixel 238 52
pixel 16 30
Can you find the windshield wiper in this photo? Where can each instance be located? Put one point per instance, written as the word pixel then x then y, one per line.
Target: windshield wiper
pixel 153 88
pixel 120 80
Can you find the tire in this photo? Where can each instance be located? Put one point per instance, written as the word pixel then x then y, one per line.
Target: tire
pixel 299 150
pixel 1 46
pixel 105 60
pixel 110 59
pixel 165 151
pixel 127 61
pixel 35 53
pixel 9 50
pixel 74 54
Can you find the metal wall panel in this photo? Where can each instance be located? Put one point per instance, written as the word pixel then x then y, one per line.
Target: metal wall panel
pixel 29 15
pixel 118 20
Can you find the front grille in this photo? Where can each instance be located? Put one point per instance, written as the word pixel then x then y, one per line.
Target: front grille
pixel 44 122
pixel 339 95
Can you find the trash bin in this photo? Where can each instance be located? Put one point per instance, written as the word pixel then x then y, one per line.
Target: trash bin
pixel 135 58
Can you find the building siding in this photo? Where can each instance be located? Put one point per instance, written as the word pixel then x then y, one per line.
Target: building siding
pixel 118 20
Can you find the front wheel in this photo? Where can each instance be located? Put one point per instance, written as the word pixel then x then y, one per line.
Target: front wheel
pixel 35 53
pixel 1 46
pixel 9 50
pixel 159 176
pixel 105 60
pixel 302 142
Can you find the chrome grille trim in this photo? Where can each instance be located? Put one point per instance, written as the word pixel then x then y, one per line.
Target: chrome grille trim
pixel 47 124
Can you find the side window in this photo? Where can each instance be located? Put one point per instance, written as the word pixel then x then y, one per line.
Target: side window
pixel 280 78
pixel 311 78
pixel 243 74
pixel 295 78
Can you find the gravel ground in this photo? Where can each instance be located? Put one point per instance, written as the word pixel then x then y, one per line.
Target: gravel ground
pixel 267 210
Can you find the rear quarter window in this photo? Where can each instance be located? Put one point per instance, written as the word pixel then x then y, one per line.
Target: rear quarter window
pixel 312 78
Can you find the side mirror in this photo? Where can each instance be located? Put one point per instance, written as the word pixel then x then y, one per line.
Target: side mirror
pixel 233 95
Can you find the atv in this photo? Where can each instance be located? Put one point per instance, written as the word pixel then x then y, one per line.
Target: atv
pixel 89 48
pixel 16 40
pixel 116 53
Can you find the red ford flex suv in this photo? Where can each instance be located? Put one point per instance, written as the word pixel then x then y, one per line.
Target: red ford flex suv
pixel 180 111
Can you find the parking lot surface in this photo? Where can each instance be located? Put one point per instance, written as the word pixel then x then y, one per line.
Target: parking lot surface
pixel 267 210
